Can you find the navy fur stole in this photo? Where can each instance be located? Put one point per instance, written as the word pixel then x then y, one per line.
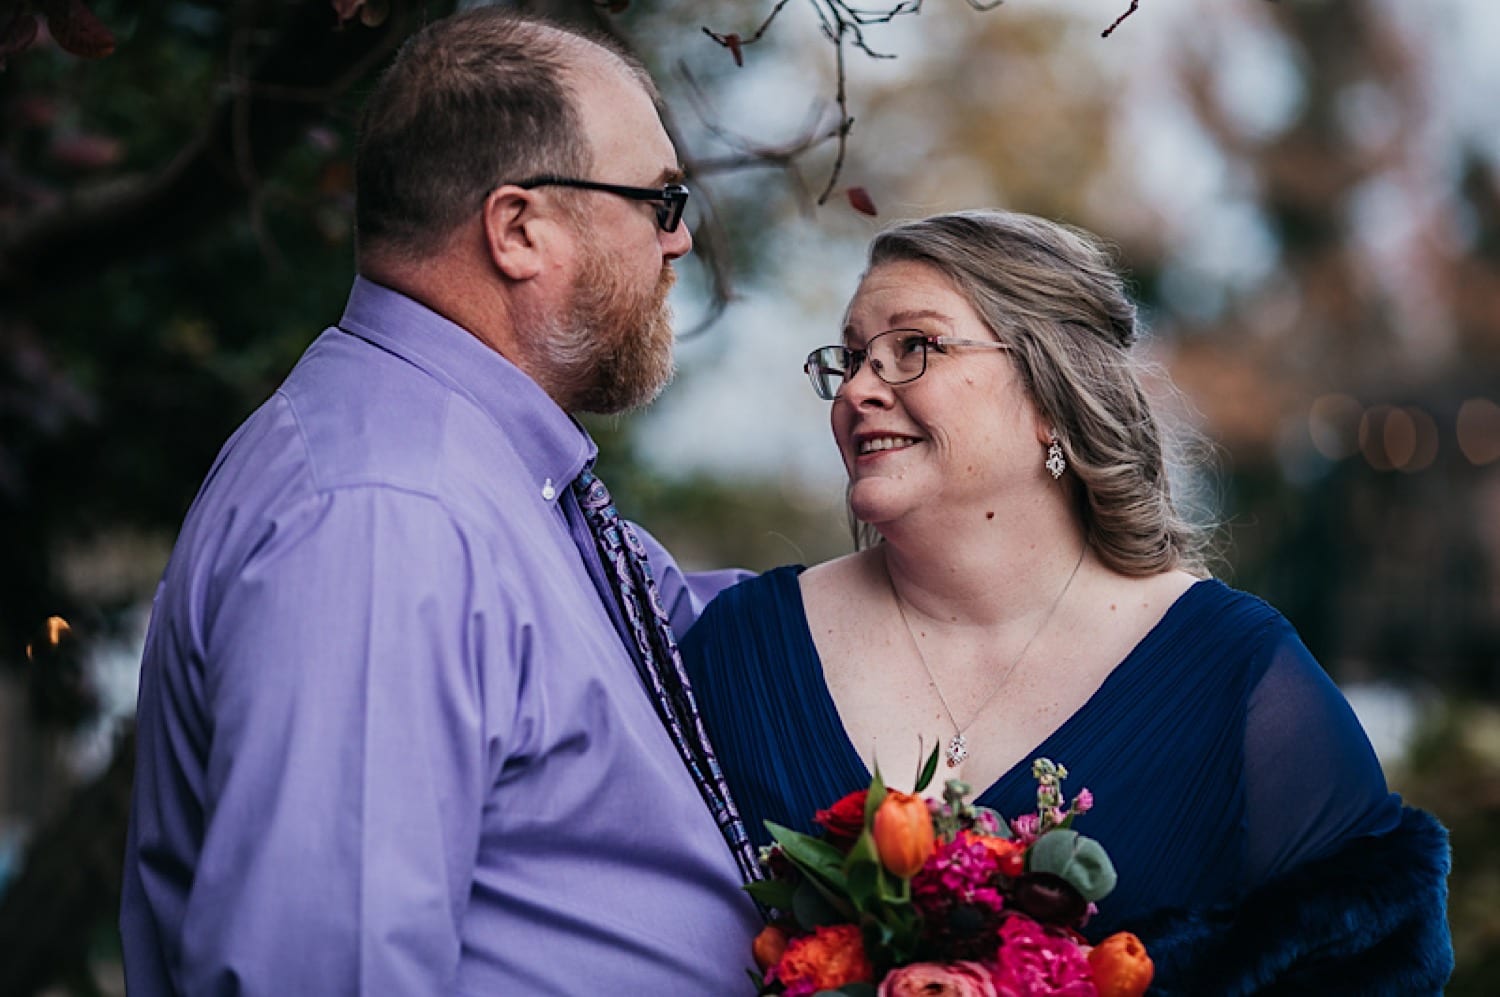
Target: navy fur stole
pixel 1369 919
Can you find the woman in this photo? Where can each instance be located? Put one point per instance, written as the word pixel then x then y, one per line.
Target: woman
pixel 1025 588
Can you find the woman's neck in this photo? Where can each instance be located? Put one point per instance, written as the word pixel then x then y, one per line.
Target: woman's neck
pixel 991 573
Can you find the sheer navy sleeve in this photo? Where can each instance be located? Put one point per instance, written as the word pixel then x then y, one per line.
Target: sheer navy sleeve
pixel 1312 781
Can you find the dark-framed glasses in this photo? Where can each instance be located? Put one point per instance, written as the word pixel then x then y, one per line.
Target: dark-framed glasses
pixel 670 199
pixel 897 356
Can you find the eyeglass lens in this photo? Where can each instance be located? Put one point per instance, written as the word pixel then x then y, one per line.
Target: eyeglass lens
pixel 669 209
pixel 897 356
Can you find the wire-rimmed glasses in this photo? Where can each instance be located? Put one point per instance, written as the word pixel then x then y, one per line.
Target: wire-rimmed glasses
pixel 897 356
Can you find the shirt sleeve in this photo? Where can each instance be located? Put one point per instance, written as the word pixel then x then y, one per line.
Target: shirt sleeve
pixel 1312 780
pixel 685 593
pixel 344 672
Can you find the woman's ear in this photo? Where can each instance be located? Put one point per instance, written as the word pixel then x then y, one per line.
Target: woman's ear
pixel 514 232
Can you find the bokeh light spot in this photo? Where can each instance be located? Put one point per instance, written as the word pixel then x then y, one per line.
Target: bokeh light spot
pixel 1479 430
pixel 1372 437
pixel 1333 424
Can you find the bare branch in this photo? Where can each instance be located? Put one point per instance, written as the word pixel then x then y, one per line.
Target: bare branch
pixel 1134 6
pixel 845 123
pixel 735 43
pixel 748 154
pixel 843 24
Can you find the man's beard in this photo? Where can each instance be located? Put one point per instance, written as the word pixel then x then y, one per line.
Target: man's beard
pixel 611 349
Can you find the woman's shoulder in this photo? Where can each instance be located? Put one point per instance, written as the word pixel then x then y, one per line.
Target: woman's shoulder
pixel 751 599
pixel 1212 603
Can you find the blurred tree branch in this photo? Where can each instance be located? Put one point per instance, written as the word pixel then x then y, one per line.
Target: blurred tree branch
pixel 260 117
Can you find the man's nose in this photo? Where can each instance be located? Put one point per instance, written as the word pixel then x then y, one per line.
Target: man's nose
pixel 678 243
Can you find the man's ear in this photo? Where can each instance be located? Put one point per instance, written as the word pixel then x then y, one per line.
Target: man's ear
pixel 513 231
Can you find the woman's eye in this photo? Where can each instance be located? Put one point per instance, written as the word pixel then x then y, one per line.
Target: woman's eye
pixel 912 344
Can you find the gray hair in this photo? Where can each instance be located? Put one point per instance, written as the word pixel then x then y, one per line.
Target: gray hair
pixel 1052 293
pixel 471 101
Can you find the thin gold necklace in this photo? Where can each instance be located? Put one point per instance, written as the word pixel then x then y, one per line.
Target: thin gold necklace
pixel 958 745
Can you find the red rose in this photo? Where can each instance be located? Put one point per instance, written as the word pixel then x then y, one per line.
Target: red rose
pixel 843 822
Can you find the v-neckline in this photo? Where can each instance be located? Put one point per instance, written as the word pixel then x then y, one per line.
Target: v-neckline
pixel 991 793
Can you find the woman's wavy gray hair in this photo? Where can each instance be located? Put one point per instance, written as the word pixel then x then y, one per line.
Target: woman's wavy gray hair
pixel 1052 293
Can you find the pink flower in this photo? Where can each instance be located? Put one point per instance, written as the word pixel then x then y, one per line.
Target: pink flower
pixel 957 870
pixel 987 822
pixel 1083 802
pixel 1034 962
pixel 930 979
pixel 1026 827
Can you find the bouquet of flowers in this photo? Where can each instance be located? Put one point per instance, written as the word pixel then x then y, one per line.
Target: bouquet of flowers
pixel 901 896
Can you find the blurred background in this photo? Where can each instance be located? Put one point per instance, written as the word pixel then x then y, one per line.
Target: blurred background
pixel 1305 194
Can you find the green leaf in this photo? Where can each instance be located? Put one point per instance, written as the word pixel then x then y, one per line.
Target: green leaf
pixel 813 905
pixel 862 871
pixel 875 799
pixel 772 892
pixel 1081 862
pixel 894 889
pixel 813 856
pixel 903 932
pixel 929 769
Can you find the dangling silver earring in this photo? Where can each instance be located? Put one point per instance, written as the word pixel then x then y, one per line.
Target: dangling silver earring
pixel 1056 463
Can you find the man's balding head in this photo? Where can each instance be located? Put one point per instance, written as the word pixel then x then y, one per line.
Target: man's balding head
pixel 470 102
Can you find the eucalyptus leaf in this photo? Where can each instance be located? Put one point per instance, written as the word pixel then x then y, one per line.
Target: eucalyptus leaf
pixel 1079 861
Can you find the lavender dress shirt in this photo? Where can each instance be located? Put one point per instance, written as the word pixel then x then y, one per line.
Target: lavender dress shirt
pixel 389 738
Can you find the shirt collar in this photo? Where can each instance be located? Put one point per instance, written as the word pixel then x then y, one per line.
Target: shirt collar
pixel 551 443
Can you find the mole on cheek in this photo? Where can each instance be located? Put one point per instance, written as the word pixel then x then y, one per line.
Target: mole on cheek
pixel 990 514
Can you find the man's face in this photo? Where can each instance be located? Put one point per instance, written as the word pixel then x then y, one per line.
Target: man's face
pixel 608 347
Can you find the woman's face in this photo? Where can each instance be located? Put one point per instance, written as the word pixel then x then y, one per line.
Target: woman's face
pixel 963 439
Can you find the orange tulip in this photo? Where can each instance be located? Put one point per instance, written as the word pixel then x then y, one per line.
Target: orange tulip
pixel 903 833
pixel 768 947
pixel 1121 966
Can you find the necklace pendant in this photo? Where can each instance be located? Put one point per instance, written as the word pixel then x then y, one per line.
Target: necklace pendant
pixel 958 749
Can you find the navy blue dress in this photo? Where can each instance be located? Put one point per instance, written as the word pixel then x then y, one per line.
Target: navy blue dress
pixel 1218 752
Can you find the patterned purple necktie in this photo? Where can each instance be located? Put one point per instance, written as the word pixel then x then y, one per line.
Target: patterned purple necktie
pixel 659 662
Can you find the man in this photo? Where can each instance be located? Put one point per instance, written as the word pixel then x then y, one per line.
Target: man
pixel 391 738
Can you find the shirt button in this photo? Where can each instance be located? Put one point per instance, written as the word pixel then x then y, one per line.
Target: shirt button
pixel 548 492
